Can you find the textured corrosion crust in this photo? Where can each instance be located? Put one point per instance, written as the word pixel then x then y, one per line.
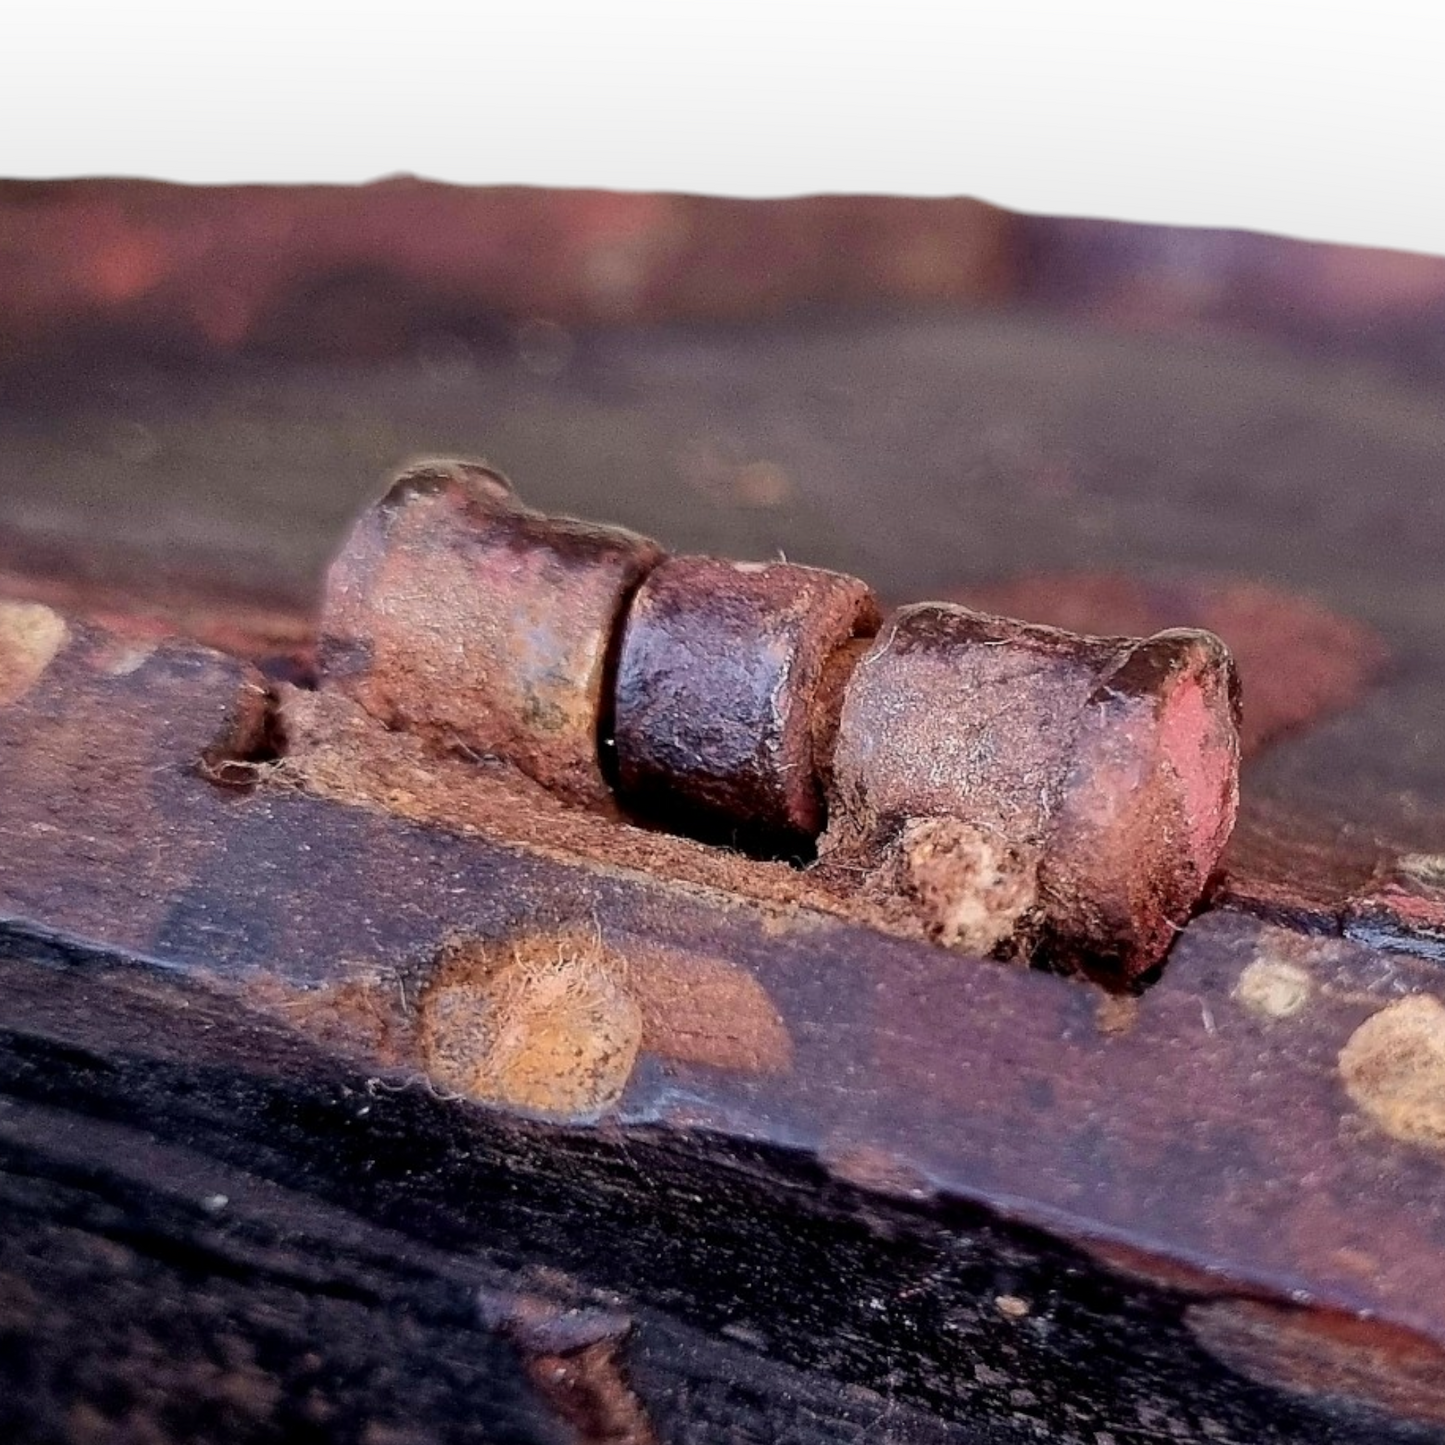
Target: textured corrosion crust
pixel 480 625
pixel 1107 768
pixel 719 681
pixel 336 750
pixel 553 1031
pixel 1393 1068
pixel 951 713
pixel 1149 800
pixel 552 1021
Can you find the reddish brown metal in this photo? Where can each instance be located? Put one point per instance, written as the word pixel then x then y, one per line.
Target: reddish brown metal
pixel 459 614
pixel 718 684
pixel 1299 661
pixel 1095 779
pixel 1005 785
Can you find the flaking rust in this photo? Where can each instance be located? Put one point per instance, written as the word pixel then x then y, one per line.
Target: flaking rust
pixel 1011 788
pixel 1095 779
pixel 458 613
pixel 718 683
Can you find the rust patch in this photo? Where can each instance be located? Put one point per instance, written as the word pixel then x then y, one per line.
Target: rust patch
pixel 703 1010
pixel 553 1022
pixel 876 1170
pixel 1153 1268
pixel 1321 1352
pixel 364 1016
pixel 971 889
pixel 1393 1068
pixel 457 613
pixel 720 674
pixel 335 750
pixel 1114 760
pixel 574 1357
pixel 30 637
pixel 248 741
pixel 547 1025
pixel 1298 661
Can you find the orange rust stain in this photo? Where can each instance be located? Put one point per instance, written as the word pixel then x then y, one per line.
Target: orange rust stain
pixel 553 1022
pixel 698 1009
pixel 1321 1352
pixel 875 1170
pixel 1393 1068
pixel 547 1026
pixel 588 1388
pixel 30 637
pixel 1155 1269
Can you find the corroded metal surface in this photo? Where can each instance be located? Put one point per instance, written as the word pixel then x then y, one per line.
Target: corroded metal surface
pixel 457 613
pixel 1299 663
pixel 1021 785
pixel 1108 767
pixel 719 682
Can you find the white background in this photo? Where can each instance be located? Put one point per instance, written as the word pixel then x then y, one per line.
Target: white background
pixel 1321 119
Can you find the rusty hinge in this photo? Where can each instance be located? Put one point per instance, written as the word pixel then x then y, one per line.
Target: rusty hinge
pixel 1023 787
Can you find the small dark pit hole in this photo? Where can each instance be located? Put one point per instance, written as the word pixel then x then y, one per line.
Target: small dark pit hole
pixel 251 744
